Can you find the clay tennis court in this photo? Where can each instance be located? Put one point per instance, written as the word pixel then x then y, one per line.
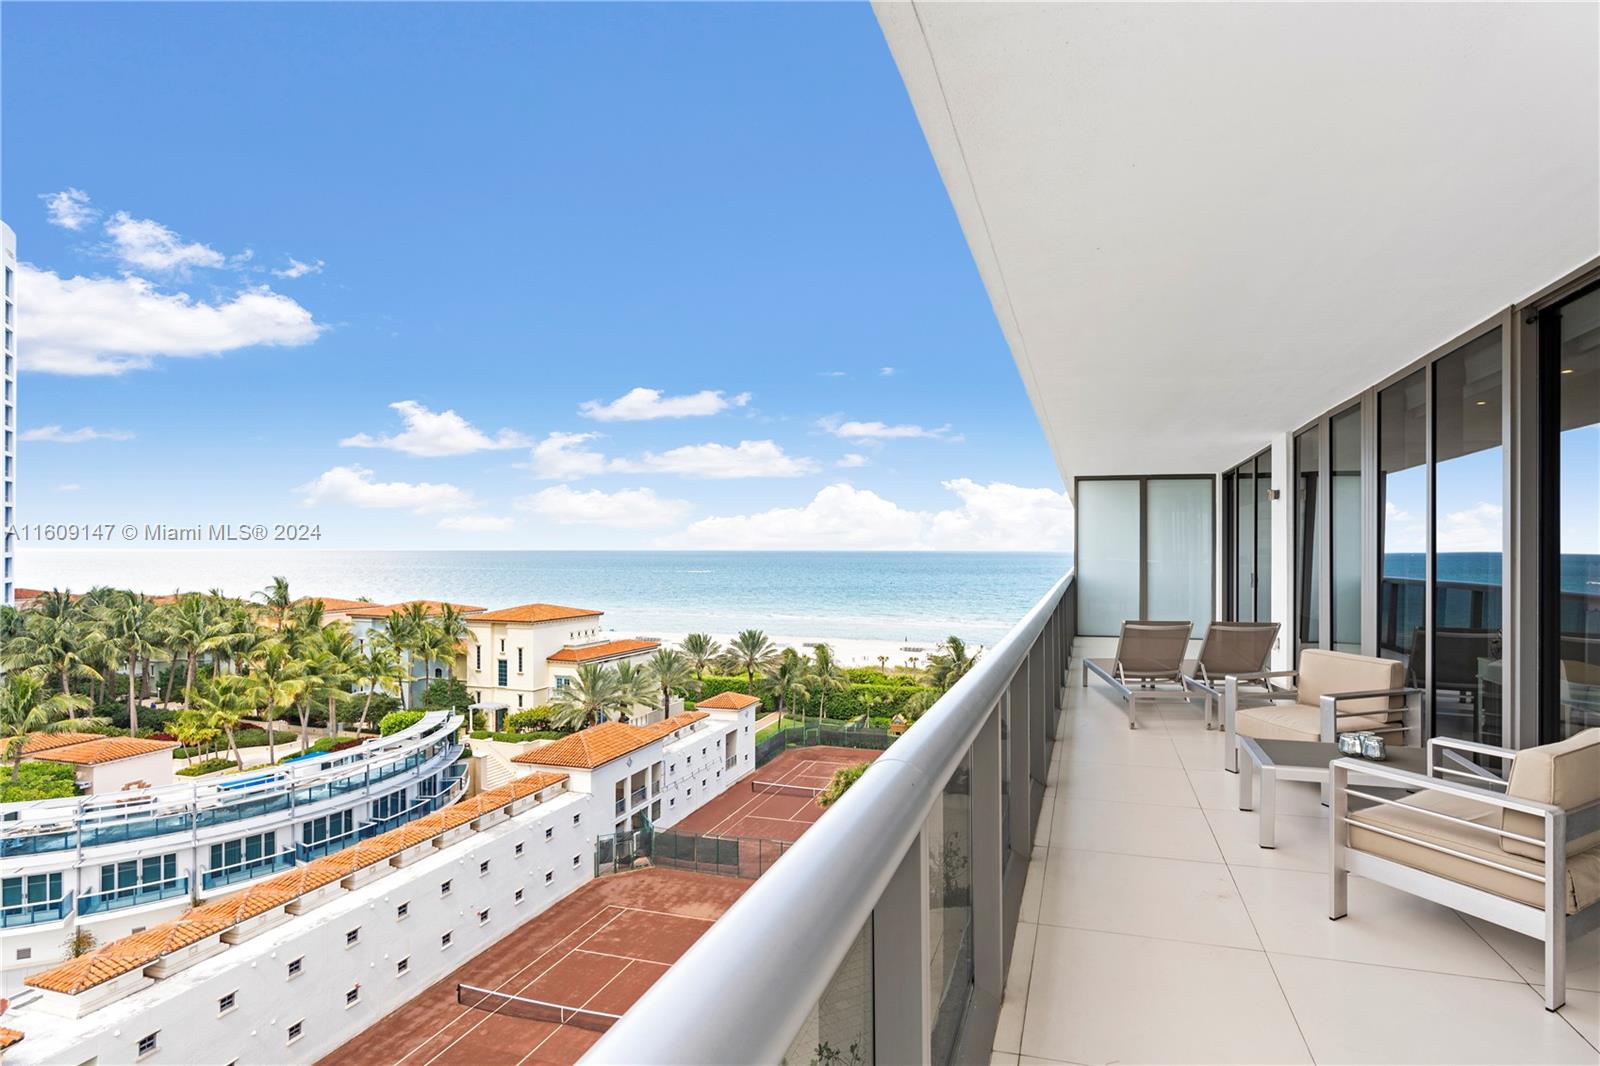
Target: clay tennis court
pixel 599 950
pixel 746 811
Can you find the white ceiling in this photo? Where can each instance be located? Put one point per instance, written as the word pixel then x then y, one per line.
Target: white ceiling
pixel 1201 224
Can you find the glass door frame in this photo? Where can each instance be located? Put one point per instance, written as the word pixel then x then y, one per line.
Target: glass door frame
pixel 1144 526
pixel 1230 533
pixel 1542 611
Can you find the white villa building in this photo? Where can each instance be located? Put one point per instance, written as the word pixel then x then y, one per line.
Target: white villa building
pixel 283 955
pixel 518 657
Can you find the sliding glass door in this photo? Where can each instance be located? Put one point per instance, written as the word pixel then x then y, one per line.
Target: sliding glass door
pixel 1310 537
pixel 1402 522
pixel 1569 671
pixel 1250 535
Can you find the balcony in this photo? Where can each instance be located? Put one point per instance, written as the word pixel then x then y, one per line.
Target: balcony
pixel 133 896
pixel 1096 900
pixel 639 796
pixel 35 913
pixel 247 870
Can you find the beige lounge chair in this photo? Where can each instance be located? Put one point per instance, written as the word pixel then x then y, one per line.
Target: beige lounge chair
pixel 1482 847
pixel 1333 692
pixel 1149 656
pixel 1240 649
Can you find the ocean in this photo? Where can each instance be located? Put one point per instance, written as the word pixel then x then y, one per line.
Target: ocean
pixel 897 596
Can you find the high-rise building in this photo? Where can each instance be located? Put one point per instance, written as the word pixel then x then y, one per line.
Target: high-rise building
pixel 9 240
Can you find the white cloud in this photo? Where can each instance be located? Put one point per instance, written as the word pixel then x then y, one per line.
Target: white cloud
pixel 477 523
pixel 563 457
pixel 852 459
pixel 435 433
pixel 297 269
pixel 54 434
pixel 624 509
pixel 639 405
pixel 874 431
pixel 886 371
pixel 352 486
pixel 1476 529
pixel 84 325
pixel 148 245
pixel 69 208
pixel 70 486
pixel 1403 532
pixel 992 517
pixel 751 458
pixel 831 374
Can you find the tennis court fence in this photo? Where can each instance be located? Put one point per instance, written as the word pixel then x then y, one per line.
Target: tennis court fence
pixel 535 1009
pixel 745 857
pixel 838 736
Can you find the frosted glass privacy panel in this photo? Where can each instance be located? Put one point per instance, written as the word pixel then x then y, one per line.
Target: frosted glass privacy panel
pixel 1179 559
pixel 1107 556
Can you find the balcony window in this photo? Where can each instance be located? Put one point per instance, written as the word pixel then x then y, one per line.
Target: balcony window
pixel 1310 537
pixel 1402 521
pixel 1344 537
pixel 502 673
pixel 30 899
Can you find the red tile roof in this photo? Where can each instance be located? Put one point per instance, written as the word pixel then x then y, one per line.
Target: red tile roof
pixel 611 649
pixel 105 749
pixel 728 701
pixel 384 610
pixel 603 743
pixel 141 949
pixel 9 1037
pixel 38 742
pixel 334 603
pixel 536 612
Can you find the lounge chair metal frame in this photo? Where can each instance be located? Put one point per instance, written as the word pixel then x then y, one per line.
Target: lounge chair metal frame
pixel 1550 924
pixel 1136 687
pixel 1199 680
pixel 1411 713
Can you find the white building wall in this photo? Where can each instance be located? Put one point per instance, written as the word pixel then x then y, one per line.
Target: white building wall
pixel 154 768
pixel 184 1009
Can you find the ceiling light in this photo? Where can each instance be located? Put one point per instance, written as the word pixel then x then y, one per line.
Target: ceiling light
pixel 1568 370
pixel 1483 403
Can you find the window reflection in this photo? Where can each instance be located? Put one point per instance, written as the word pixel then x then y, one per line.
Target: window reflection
pixel 1309 535
pixel 1344 484
pixel 1577 651
pixel 1468 543
pixel 949 836
pixel 1402 507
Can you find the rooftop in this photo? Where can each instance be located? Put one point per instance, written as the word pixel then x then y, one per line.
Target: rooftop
pixel 610 649
pixel 104 750
pixel 535 612
pixel 382 610
pixel 728 701
pixel 38 742
pixel 603 743
pixel 334 603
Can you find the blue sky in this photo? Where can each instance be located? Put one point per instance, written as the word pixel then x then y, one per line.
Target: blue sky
pixel 506 212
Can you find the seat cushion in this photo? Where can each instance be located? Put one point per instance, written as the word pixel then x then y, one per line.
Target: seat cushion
pixel 1324 673
pixel 1565 774
pixel 1583 870
pixel 1295 721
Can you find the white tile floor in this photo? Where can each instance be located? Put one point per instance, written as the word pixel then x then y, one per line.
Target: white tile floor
pixel 1154 929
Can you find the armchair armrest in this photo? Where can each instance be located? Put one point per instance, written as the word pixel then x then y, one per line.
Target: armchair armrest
pixel 1367 694
pixel 1329 706
pixel 1450 746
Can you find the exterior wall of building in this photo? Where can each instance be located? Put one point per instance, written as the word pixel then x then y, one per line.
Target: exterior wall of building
pixel 154 769
pixel 185 1010
pixel 9 256
pixel 524 647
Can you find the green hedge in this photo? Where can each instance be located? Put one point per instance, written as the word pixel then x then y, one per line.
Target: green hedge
pixel 395 721
pixel 38 781
pixel 877 694
pixel 716 685
pixel 246 738
pixel 207 766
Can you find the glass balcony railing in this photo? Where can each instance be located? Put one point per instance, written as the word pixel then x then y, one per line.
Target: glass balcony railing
pixel 898 903
pixel 247 870
pixel 35 913
pixel 37 844
pixel 133 896
pixel 639 796
pixel 622 804
pixel 730 762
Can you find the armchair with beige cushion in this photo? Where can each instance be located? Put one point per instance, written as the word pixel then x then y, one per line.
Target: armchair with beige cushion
pixel 1479 845
pixel 1332 692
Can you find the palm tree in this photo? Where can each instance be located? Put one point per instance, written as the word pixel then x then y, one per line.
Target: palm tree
pixel 379 666
pixel 193 732
pixel 280 683
pixel 950 666
pixel 26 708
pixel 635 688
pixel 883 663
pixel 669 670
pixel 57 639
pixel 396 656
pixel 195 632
pixel 451 627
pixel 277 601
pixel 127 624
pixel 826 677
pixel 701 650
pixel 412 635
pixel 223 700
pixel 335 663
pixel 590 697
pixel 790 675
pixel 751 653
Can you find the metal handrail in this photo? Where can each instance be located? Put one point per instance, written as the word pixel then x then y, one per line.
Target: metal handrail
pixel 826 886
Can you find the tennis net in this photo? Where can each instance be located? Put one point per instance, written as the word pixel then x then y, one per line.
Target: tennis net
pixel 535 1009
pixel 782 788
